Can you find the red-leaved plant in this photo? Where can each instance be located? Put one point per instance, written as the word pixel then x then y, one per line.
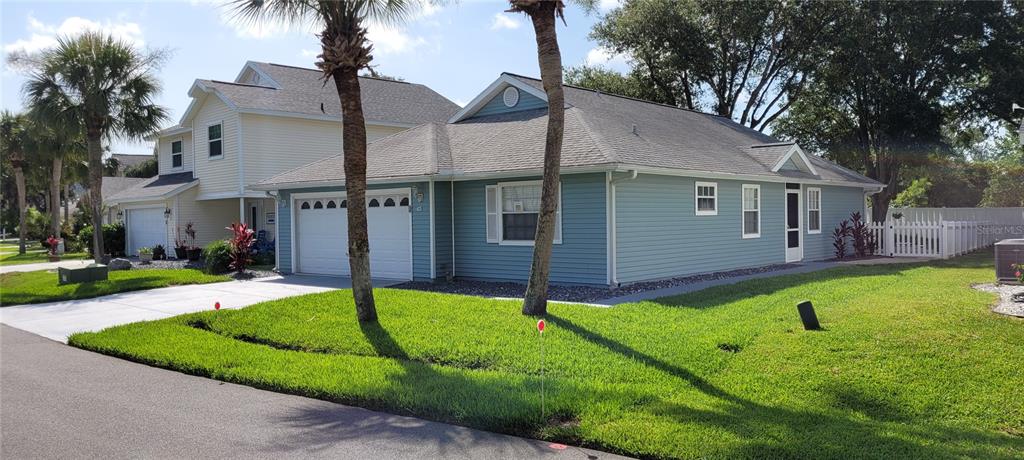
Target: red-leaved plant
pixel 52 242
pixel 241 243
pixel 1019 273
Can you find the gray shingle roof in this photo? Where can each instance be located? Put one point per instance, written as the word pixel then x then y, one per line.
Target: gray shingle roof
pixel 113 185
pixel 302 91
pixel 125 160
pixel 599 131
pixel 152 189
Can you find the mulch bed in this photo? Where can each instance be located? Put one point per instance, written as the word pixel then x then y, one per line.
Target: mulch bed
pixel 570 293
pixel 171 264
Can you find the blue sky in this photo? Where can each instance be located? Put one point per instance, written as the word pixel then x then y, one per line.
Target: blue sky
pixel 455 49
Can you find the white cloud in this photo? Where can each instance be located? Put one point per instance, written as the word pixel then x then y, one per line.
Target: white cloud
pixel 387 40
pixel 601 57
pixel 309 53
pixel 42 36
pixel 504 21
pixel 607 5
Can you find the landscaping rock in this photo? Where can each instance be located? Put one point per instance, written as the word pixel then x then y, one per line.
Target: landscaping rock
pixel 119 264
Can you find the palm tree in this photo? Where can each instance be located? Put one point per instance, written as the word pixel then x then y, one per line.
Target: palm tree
pixel 346 51
pixel 103 85
pixel 543 14
pixel 13 137
pixel 53 141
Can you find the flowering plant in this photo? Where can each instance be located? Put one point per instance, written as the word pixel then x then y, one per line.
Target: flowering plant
pixel 52 242
pixel 1019 272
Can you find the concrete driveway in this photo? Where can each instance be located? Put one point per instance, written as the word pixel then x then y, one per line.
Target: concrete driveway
pixel 62 402
pixel 58 320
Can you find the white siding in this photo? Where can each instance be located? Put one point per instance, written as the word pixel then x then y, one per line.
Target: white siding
pixel 273 145
pixel 216 175
pixel 164 153
pixel 210 218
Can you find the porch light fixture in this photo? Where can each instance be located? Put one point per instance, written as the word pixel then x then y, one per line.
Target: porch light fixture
pixel 167 213
pixel 120 214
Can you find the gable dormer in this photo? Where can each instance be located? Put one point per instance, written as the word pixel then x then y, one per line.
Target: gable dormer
pixel 795 160
pixel 507 94
pixel 251 74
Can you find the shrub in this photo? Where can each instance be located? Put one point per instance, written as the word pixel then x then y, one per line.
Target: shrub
pixel 113 239
pixel 38 224
pixel 265 258
pixel 839 239
pixel 862 237
pixel 242 239
pixel 217 257
pixel 53 243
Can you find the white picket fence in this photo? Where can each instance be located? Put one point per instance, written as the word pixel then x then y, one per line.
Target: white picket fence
pixel 943 239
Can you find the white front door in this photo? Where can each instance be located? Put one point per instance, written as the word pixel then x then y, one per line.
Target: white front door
pixel 322 235
pixel 794 246
pixel 146 228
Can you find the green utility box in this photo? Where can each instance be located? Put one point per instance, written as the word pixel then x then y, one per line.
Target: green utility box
pixel 89 273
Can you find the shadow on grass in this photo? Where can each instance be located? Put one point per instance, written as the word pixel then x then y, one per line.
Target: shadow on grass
pixel 884 429
pixel 434 393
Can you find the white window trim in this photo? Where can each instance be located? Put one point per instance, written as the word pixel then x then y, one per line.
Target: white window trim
pixel 182 140
pixel 501 241
pixel 744 210
pixel 818 190
pixel 697 197
pixel 221 139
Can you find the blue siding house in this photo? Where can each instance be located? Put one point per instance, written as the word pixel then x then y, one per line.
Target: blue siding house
pixel 647 192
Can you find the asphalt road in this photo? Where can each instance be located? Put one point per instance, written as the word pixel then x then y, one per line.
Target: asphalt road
pixel 61 402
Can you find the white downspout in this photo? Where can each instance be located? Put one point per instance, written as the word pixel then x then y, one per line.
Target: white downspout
pixel 433 246
pixel 451 182
pixel 612 225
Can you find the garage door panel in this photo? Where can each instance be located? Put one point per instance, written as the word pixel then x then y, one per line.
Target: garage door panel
pixel 323 238
pixel 146 228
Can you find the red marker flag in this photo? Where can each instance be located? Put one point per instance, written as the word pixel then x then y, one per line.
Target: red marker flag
pixel 216 305
pixel 540 326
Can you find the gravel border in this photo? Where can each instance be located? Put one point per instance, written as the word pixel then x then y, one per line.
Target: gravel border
pixel 1006 305
pixel 574 293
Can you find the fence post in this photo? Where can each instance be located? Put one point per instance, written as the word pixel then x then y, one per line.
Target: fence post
pixel 890 238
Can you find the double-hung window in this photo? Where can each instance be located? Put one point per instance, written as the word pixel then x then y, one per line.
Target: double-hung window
pixel 513 209
pixel 216 141
pixel 813 210
pixel 751 211
pixel 176 154
pixel 706 201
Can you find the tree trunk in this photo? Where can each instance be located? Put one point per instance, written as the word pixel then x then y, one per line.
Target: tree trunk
pixel 550 58
pixel 19 181
pixel 354 149
pixel 58 163
pixel 95 147
pixel 67 202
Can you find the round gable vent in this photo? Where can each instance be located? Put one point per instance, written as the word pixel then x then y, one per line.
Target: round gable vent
pixel 510 96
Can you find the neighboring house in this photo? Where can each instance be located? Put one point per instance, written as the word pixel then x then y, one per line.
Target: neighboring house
pixel 648 191
pixel 112 186
pixel 125 161
pixel 272 118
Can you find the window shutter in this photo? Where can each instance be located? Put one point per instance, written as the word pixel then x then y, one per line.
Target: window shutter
pixel 558 217
pixel 492 214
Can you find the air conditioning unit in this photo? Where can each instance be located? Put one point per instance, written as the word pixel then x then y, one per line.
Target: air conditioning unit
pixel 1008 252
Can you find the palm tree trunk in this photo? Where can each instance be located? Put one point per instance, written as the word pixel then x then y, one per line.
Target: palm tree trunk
pixel 550 57
pixel 67 202
pixel 58 163
pixel 354 149
pixel 19 181
pixel 95 148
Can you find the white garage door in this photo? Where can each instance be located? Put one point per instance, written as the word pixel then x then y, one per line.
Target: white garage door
pixel 146 228
pixel 322 235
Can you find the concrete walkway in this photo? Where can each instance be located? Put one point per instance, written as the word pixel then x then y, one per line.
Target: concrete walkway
pixel 62 402
pixel 44 266
pixel 58 320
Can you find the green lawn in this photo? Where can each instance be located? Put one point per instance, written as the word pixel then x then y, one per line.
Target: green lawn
pixel 911 364
pixel 41 286
pixel 34 253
